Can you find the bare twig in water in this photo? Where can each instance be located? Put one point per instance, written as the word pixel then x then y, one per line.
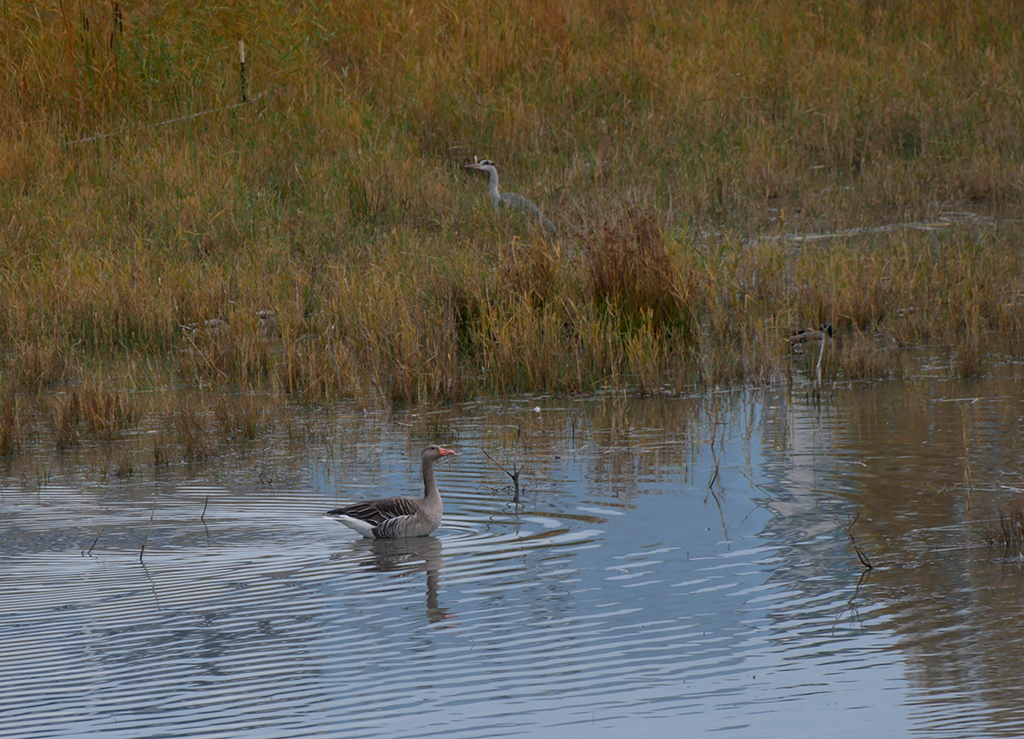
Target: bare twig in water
pixel 848 530
pixel 759 504
pixel 714 474
pixel 514 474
pixel 148 529
pixel 968 479
pixel 714 455
pixel 202 517
pixel 714 477
pixel 713 494
pixel 851 603
pixel 88 552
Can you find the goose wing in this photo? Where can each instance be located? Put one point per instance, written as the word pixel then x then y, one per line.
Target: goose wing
pixel 378 511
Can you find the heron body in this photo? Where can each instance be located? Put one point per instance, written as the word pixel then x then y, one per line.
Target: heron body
pixel 511 199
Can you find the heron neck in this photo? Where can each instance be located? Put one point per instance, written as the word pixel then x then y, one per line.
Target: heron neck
pixel 495 192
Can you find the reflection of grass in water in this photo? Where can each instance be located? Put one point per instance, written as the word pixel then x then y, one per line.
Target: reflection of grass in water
pixel 11 430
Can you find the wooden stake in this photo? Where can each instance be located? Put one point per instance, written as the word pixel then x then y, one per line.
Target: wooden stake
pixel 241 62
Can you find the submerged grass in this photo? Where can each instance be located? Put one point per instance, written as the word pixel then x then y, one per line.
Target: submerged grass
pixel 324 241
pixel 1005 530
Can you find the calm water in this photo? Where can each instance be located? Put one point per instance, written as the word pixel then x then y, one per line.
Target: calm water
pixel 671 565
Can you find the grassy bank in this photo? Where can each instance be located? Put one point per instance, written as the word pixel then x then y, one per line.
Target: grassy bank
pixel 680 148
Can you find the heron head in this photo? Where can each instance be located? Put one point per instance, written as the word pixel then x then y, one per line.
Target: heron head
pixel 482 165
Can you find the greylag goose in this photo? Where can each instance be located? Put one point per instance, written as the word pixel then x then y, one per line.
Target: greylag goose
pixel 511 199
pixel 808 334
pixel 268 324
pixel 213 326
pixel 399 516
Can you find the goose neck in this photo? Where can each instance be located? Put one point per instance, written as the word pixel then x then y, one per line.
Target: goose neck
pixel 429 485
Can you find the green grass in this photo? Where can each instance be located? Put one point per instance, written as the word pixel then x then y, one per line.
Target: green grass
pixel 678 147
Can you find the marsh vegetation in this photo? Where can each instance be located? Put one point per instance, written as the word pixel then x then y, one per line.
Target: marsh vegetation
pixel 690 156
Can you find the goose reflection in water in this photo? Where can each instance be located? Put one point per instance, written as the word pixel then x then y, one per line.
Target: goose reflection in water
pixel 418 554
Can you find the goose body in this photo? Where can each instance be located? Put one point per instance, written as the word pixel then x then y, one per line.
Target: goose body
pixel 399 516
pixel 805 335
pixel 212 326
pixel 511 199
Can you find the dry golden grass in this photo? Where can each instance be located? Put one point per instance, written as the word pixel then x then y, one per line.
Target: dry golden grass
pixel 679 148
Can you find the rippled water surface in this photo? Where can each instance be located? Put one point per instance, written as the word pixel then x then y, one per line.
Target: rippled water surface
pixel 671 566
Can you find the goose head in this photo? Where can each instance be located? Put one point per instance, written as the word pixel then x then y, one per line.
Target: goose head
pixel 434 452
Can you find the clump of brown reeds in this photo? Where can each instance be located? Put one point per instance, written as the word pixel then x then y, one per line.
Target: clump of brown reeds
pixel 92 408
pixel 632 274
pixel 1006 529
pixel 242 416
pixel 106 412
pixel 64 417
pixel 38 362
pixel 188 423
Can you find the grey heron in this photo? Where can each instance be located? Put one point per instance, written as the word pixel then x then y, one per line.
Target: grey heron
pixel 511 199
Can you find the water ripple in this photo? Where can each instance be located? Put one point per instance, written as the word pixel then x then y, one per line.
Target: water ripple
pixel 614 595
